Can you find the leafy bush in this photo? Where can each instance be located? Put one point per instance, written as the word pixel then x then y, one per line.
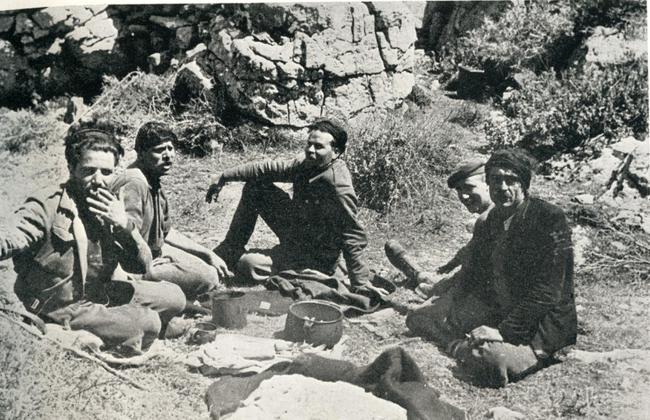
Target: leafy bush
pixel 402 160
pixel 565 113
pixel 22 131
pixel 529 35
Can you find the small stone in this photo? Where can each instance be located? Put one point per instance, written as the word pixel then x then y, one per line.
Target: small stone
pixel 503 413
pixel 185 37
pixel 24 25
pixel 584 199
pixel 6 23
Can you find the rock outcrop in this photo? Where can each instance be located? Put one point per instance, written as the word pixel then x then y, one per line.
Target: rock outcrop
pixel 297 62
pixel 281 64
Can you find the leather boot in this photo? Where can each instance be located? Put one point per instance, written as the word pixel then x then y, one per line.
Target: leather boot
pixel 397 256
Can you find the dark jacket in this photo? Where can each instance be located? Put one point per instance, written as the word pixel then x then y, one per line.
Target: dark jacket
pixel 49 246
pixel 538 272
pixel 325 195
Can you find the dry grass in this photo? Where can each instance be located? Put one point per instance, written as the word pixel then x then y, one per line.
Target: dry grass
pixel 39 381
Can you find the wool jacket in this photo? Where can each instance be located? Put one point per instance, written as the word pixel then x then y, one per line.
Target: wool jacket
pixel 49 245
pixel 538 274
pixel 326 208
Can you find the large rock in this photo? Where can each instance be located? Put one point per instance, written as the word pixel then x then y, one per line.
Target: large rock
pixel 612 46
pixel 17 78
pixel 299 61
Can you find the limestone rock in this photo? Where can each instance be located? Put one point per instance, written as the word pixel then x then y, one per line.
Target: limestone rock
pixel 503 413
pixel 298 61
pixel 17 79
pixel 24 25
pixel 169 22
pixel 609 46
pixel 6 23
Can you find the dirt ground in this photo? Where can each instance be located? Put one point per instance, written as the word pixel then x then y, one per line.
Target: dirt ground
pixel 40 381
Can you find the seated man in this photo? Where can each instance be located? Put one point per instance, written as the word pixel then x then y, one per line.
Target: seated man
pixel 314 226
pixel 177 259
pixel 468 181
pixel 514 306
pixel 67 242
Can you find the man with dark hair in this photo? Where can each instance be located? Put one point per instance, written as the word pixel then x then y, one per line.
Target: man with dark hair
pixel 314 227
pixel 177 259
pixel 468 181
pixel 514 306
pixel 67 242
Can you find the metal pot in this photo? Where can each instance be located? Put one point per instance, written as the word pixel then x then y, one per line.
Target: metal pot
pixel 316 322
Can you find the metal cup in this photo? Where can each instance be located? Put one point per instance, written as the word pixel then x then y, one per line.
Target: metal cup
pixel 229 310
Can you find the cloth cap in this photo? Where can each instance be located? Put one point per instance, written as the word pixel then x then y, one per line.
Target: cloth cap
pixel 517 160
pixel 335 128
pixel 464 171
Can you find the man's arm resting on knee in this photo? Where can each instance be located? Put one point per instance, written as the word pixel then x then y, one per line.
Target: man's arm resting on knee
pixel 25 228
pixel 180 241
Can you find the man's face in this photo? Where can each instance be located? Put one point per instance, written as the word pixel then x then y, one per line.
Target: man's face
pixel 474 194
pixel 319 151
pixel 94 170
pixel 158 160
pixel 505 186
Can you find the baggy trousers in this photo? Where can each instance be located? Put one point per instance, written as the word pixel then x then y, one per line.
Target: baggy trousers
pixel 453 315
pixel 276 208
pixel 133 324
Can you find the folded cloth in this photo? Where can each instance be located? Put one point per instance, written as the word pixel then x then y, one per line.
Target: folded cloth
pixel 312 284
pixel 393 376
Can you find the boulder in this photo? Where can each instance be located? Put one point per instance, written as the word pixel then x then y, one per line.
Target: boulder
pixel 17 78
pixel 6 23
pixel 193 82
pixel 298 61
pixel 24 25
pixel 611 46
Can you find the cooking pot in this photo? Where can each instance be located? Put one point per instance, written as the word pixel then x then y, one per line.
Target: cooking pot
pixel 314 321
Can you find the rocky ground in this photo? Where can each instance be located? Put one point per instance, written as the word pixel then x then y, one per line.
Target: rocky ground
pixel 606 375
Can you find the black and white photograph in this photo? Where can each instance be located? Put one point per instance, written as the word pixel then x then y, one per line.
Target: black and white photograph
pixel 387 210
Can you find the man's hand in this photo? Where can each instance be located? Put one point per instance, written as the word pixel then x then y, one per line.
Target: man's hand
pixel 108 208
pixel 215 189
pixel 484 333
pixel 215 261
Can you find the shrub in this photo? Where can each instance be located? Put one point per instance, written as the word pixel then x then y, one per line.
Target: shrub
pixel 525 36
pixel 402 160
pixel 564 113
pixel 23 131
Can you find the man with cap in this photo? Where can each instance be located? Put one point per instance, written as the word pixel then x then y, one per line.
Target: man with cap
pixel 468 179
pixel 314 226
pixel 514 306
pixel 177 259
pixel 67 242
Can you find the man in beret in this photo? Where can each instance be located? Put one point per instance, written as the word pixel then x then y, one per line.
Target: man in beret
pixel 468 179
pixel 177 259
pixel 314 226
pixel 514 306
pixel 67 242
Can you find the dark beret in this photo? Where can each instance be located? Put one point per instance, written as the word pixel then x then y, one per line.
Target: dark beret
pixel 517 160
pixel 337 129
pixel 464 171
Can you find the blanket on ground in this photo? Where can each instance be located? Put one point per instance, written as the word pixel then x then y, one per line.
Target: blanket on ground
pixel 312 284
pixel 393 376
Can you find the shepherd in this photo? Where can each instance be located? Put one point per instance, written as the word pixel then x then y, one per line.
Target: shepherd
pixel 513 307
pixel 69 244
pixel 314 226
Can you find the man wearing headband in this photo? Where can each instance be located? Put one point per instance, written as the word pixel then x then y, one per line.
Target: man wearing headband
pixel 514 306
pixel 314 227
pixel 177 259
pixel 468 179
pixel 67 242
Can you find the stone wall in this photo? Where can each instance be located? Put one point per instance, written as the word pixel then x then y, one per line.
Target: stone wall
pixel 282 64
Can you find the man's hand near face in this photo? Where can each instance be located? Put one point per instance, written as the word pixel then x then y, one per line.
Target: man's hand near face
pixel 108 208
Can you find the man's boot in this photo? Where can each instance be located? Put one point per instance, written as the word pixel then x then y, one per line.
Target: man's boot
pixel 397 256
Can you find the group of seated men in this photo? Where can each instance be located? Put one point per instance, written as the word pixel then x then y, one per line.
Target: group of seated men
pixel 98 252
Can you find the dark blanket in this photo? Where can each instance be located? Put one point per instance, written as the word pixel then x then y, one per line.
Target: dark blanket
pixel 393 376
pixel 312 284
